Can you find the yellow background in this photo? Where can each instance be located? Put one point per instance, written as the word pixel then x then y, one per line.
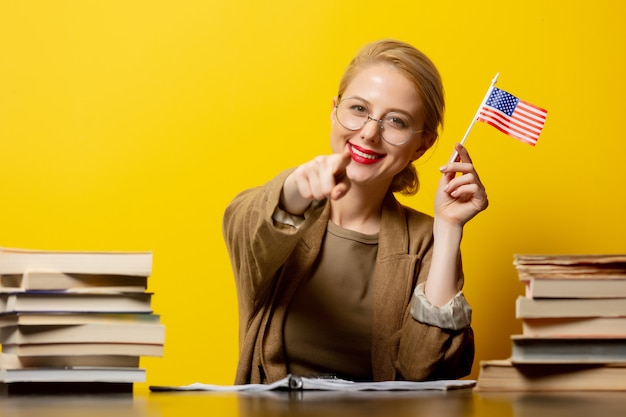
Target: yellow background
pixel 130 125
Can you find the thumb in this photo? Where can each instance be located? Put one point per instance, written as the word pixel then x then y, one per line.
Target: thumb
pixel 341 188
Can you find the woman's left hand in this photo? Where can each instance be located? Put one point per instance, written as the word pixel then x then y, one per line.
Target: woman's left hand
pixel 460 197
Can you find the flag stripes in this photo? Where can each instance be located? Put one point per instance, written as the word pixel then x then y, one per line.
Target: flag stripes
pixel 512 116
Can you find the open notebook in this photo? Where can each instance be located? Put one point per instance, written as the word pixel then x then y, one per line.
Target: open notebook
pixel 297 383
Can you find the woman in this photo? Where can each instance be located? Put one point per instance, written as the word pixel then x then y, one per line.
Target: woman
pixel 334 275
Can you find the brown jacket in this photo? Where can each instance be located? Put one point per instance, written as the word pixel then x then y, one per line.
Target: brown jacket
pixel 270 259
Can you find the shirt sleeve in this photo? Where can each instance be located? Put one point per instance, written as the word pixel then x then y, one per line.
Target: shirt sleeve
pixel 285 218
pixel 454 315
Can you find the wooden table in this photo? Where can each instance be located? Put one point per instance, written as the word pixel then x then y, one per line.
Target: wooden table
pixel 361 404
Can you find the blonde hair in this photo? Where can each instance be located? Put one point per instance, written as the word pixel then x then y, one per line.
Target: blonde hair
pixel 421 71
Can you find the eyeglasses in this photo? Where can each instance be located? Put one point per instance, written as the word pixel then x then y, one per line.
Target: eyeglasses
pixel 395 128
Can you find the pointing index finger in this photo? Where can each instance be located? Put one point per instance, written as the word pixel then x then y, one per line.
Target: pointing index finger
pixel 342 183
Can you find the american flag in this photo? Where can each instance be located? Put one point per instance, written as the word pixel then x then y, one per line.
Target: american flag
pixel 515 117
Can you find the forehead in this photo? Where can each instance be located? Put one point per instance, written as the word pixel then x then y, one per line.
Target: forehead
pixel 385 88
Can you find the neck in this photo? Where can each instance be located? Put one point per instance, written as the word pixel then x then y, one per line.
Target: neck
pixel 359 210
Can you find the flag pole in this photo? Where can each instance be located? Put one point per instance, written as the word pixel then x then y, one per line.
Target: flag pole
pixel 482 103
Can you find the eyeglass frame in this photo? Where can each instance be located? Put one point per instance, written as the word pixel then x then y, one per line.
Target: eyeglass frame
pixel 379 121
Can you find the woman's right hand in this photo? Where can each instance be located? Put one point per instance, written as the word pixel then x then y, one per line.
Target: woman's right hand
pixel 322 177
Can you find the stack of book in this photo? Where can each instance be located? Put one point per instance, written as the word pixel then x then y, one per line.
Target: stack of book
pixel 574 327
pixel 75 320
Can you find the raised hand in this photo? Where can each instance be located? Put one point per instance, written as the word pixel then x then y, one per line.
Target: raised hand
pixel 460 197
pixel 323 177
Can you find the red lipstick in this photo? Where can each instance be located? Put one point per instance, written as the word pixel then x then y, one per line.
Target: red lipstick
pixel 364 156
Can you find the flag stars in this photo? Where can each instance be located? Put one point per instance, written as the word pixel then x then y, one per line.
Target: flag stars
pixel 502 101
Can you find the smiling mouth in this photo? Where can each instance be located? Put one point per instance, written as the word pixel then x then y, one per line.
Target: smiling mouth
pixel 364 154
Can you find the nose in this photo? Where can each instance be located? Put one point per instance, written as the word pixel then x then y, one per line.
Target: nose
pixel 372 131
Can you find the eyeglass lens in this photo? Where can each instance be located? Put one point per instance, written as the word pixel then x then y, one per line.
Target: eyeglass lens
pixel 353 114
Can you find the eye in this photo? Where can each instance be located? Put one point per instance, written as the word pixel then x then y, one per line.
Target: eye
pixel 358 109
pixel 397 121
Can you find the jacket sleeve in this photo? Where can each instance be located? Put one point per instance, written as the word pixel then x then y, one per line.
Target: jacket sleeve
pixel 440 343
pixel 435 342
pixel 257 244
pixel 429 352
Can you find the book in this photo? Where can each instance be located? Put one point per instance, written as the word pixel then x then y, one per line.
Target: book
pixel 550 308
pixel 43 318
pixel 11 361
pixel 583 350
pixel 39 301
pixel 84 333
pixel 298 383
pixel 503 375
pixel 75 321
pixel 55 280
pixel 76 374
pixel 65 349
pixel 575 326
pixel 575 288
pixel 19 261
pixel 66 388
pixel 596 266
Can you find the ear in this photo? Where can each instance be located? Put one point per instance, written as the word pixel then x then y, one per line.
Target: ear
pixel 418 153
pixel 334 108
pixel 426 142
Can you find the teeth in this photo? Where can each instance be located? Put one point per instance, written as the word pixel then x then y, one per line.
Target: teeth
pixel 363 155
